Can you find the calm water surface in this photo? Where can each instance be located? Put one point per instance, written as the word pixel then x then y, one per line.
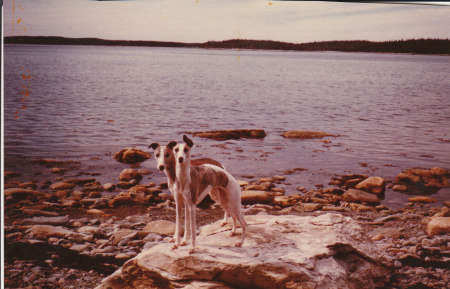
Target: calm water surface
pixel 84 103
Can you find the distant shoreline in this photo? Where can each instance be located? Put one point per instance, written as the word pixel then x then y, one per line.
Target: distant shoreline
pixel 415 46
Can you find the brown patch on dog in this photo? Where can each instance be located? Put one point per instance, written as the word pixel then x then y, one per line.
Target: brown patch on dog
pixel 170 163
pixel 202 177
pixel 203 161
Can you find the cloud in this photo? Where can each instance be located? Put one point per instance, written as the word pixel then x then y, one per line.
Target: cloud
pixel 203 20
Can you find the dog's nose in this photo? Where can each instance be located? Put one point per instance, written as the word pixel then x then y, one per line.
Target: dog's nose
pixel 161 168
pixel 180 160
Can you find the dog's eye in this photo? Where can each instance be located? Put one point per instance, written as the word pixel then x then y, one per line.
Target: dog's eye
pixel 157 155
pixel 176 150
pixel 186 150
pixel 167 155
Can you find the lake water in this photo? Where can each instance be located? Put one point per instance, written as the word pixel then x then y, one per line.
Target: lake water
pixel 84 103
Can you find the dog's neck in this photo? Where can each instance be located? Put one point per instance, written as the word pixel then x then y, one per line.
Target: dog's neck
pixel 183 173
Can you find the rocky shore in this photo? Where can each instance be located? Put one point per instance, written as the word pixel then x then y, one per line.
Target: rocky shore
pixel 69 232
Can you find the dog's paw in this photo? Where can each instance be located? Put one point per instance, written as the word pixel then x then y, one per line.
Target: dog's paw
pixel 191 250
pixel 174 246
pixel 172 240
pixel 232 233
pixel 223 223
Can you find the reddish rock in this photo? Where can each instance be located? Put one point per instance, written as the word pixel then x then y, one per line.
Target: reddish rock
pixel 358 196
pixel 422 181
pixel 374 185
pixel 256 197
pixel 129 174
pixel 131 156
pixel 231 134
pixel 306 134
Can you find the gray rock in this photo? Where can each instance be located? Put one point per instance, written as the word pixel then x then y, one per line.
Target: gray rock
pixel 60 220
pixel 279 252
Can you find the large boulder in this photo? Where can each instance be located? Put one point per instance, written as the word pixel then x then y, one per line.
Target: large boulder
pixel 358 196
pixel 374 185
pixel 328 251
pixel 301 134
pixel 422 181
pixel 231 134
pixel 131 156
pixel 129 174
pixel 438 225
pixel 256 197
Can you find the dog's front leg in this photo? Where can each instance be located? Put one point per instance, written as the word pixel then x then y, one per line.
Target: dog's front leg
pixel 179 211
pixel 186 226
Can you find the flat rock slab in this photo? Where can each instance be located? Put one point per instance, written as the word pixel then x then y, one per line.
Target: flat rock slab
pixel 328 251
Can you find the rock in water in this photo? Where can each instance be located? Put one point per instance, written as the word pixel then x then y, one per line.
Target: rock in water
pixel 131 156
pixel 231 134
pixel 422 181
pixel 374 185
pixel 279 252
pixel 358 196
pixel 305 134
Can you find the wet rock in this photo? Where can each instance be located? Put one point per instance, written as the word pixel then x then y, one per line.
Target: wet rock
pixel 19 194
pixel 144 172
pixel 46 231
pixel 160 227
pixel 127 185
pixel 242 183
pixel 283 201
pixel 95 212
pixel 129 174
pixel 310 207
pixel 277 253
pixel 60 186
pixel 109 187
pixel 10 175
pixel 438 225
pixel 259 187
pixel 333 191
pixel 35 212
pixel 57 171
pixel 124 200
pixel 358 196
pixel 255 197
pixel 122 234
pixel 373 185
pixel 231 134
pixel 59 220
pixel 306 134
pixel 131 156
pixel 422 199
pixel 422 181
pixel 360 208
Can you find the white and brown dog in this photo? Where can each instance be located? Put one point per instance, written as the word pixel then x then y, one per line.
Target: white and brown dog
pixel 193 183
pixel 165 161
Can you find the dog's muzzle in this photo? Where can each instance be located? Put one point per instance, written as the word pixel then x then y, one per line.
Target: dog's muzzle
pixel 161 168
pixel 180 160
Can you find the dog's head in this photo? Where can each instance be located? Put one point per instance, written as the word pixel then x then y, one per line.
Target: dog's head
pixel 183 151
pixel 164 155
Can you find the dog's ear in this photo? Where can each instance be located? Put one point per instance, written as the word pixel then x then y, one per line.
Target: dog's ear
pixel 188 141
pixel 172 144
pixel 154 146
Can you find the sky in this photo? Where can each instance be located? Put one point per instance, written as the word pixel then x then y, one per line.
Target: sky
pixel 215 20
